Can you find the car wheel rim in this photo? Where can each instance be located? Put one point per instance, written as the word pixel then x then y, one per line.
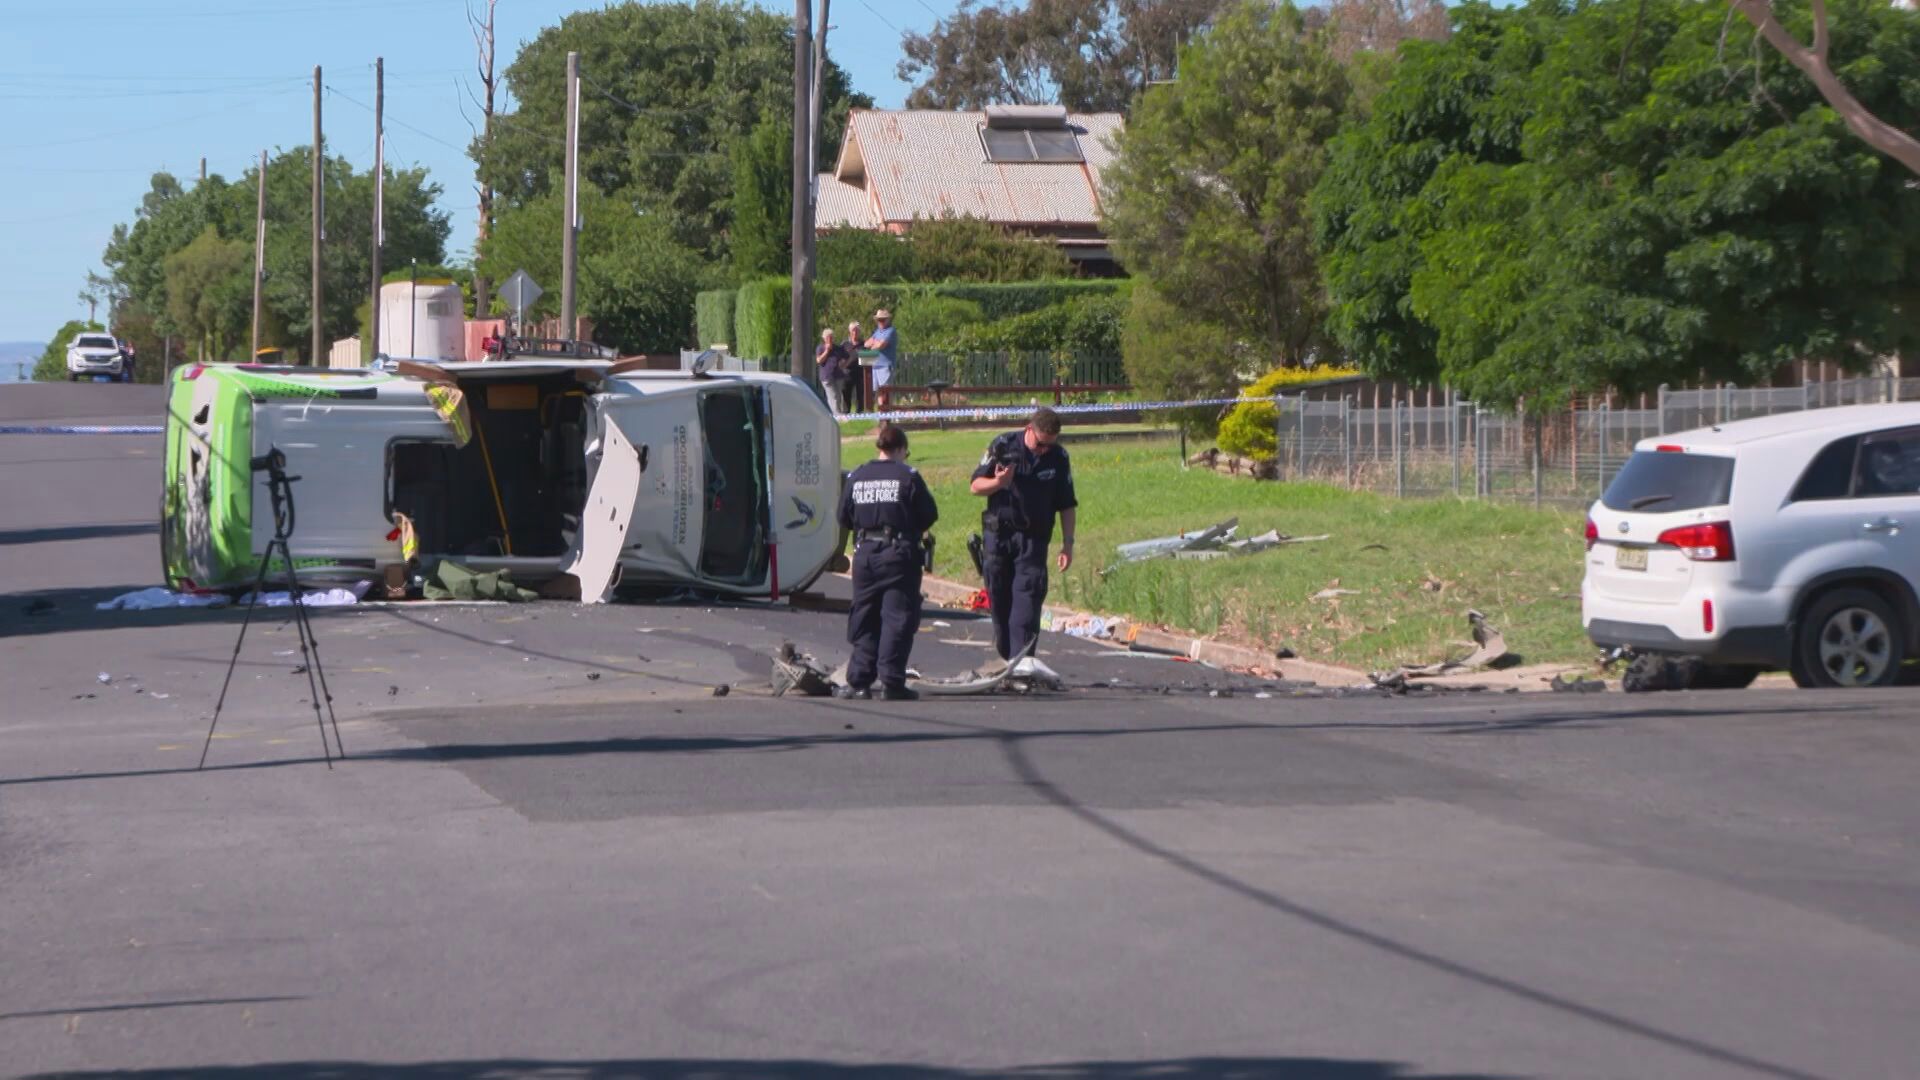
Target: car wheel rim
pixel 1855 647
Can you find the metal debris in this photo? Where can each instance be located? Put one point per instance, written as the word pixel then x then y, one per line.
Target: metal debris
pixel 1489 647
pixel 795 671
pixel 1213 542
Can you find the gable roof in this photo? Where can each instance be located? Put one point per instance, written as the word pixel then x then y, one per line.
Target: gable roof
pixel 898 165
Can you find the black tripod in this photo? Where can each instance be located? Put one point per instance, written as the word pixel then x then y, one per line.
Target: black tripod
pixel 280 486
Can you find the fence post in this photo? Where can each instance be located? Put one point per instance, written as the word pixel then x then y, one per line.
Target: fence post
pixel 1346 438
pixel 1279 437
pixel 1600 459
pixel 1399 453
pixel 1536 426
pixel 1660 409
pixel 1453 436
pixel 1479 452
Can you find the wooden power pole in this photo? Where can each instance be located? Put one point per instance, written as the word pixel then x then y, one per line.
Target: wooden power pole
pixel 372 347
pixel 318 348
pixel 801 360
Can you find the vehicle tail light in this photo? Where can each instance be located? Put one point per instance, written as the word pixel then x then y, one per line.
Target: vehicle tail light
pixel 1706 616
pixel 1712 542
pixel 1669 448
pixel 1593 534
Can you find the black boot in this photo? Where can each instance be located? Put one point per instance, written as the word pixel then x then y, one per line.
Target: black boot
pixel 853 693
pixel 899 692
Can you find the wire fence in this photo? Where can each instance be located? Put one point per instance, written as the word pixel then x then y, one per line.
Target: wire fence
pixel 1454 448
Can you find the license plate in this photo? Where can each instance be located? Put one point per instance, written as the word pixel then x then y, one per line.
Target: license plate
pixel 1630 558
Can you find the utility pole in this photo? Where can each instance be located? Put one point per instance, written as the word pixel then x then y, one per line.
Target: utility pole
pixel 203 170
pixel 318 348
pixel 259 252
pixel 372 347
pixel 813 140
pixel 483 48
pixel 569 241
pixel 801 361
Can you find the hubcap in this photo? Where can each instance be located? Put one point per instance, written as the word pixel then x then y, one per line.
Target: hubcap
pixel 1855 647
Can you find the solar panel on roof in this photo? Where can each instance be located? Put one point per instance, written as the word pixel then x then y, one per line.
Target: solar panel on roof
pixel 1055 146
pixel 1006 145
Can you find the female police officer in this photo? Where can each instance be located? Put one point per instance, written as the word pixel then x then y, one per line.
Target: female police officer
pixel 888 509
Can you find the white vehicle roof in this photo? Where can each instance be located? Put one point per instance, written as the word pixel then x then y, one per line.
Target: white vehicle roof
pixel 1824 424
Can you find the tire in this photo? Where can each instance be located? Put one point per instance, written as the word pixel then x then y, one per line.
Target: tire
pixel 1848 638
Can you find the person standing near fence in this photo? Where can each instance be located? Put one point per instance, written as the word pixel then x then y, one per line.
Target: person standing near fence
pixel 887 344
pixel 888 509
pixel 831 360
pixel 856 395
pixel 1026 479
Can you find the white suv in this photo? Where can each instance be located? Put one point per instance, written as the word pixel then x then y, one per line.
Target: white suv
pixel 1787 541
pixel 94 353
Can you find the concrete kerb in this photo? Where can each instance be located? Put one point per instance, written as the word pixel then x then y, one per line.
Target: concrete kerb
pixel 1234 657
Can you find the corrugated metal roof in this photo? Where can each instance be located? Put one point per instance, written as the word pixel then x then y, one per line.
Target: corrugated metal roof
pixel 843 205
pixel 925 163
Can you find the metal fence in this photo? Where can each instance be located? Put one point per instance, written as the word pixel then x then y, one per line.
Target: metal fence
pixel 1566 459
pixel 1026 370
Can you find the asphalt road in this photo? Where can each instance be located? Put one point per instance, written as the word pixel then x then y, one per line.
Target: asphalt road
pixel 555 853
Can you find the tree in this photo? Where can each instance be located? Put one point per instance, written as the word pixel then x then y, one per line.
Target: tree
pixel 1207 193
pixel 483 46
pixel 52 366
pixel 1089 55
pixel 637 282
pixel 1172 356
pixel 762 234
pixel 1559 201
pixel 1362 26
pixel 955 248
pixel 210 292
pixel 1814 60
pixel 171 217
pixel 667 90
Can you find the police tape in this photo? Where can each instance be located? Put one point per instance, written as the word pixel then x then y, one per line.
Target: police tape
pixel 81 429
pixel 996 412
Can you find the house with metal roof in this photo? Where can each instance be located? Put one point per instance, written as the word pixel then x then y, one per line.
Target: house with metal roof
pixel 1034 168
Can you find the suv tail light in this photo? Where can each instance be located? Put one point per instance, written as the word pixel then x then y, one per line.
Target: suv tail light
pixel 1593 534
pixel 1712 542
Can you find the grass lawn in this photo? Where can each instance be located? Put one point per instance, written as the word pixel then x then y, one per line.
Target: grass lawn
pixel 1434 559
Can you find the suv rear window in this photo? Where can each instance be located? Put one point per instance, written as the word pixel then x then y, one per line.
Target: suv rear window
pixel 1662 482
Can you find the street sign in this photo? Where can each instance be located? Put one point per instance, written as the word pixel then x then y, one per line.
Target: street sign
pixel 520 292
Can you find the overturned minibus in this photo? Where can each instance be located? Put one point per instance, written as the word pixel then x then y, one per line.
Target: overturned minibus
pixel 579 476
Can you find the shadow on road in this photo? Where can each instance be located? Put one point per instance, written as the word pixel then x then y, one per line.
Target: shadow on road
pixel 59 533
pixel 1288 1068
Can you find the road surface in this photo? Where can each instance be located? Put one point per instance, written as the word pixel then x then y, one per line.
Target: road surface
pixel 554 852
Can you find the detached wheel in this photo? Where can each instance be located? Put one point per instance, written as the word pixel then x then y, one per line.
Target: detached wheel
pixel 1848 638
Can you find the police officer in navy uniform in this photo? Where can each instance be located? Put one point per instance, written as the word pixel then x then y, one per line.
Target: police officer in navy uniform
pixel 888 509
pixel 1026 479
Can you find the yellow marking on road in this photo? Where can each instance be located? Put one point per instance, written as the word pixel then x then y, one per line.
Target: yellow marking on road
pixel 174 746
pixel 370 670
pixel 278 742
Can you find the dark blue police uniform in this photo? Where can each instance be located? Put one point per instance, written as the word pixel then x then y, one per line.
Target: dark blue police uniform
pixel 1017 526
pixel 888 509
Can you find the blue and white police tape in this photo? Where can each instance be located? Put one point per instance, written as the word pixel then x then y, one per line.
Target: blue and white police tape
pixel 81 429
pixel 995 412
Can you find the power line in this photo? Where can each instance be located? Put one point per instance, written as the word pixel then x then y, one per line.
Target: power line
pixel 391 119
pixel 883 19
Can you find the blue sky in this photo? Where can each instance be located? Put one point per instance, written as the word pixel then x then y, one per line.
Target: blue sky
pixel 96 95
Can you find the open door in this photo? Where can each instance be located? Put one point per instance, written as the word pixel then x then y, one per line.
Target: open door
pixel 609 511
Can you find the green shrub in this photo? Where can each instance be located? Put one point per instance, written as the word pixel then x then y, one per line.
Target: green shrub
pixel 855 256
pixel 1249 429
pixel 762 319
pixel 713 317
pixel 936 323
pixel 957 248
pixel 1171 356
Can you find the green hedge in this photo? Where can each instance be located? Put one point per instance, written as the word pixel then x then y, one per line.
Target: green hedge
pixel 762 318
pixel 713 317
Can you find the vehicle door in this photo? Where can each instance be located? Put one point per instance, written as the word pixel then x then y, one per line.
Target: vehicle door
pixel 661 418
pixel 604 521
pixel 1885 506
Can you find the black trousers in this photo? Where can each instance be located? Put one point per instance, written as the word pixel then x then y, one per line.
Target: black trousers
pixel 885 613
pixel 1016 572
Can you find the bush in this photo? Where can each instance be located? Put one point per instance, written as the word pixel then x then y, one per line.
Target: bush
pixel 762 319
pixel 1249 429
pixel 1171 356
pixel 956 248
pixel 935 323
pixel 854 256
pixel 713 317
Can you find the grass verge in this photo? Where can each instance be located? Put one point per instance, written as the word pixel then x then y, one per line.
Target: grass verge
pixel 1414 566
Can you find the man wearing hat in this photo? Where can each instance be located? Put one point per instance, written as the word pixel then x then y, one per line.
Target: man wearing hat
pixel 887 344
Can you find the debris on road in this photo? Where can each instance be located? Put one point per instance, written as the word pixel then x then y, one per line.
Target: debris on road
pixel 796 672
pixel 311 597
pixel 1489 648
pixel 452 581
pixel 722 690
pixel 105 678
pixel 157 598
pixel 1562 684
pixel 1212 542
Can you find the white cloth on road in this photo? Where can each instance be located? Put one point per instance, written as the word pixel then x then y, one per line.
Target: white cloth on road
pixel 315 597
pixel 156 598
